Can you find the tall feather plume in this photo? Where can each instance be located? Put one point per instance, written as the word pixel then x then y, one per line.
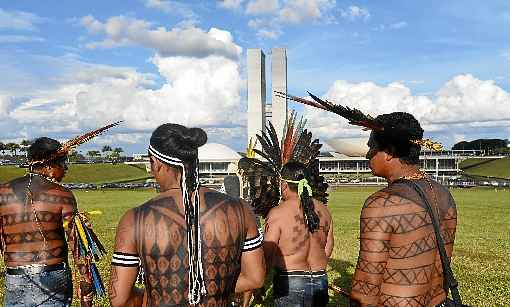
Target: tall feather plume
pixel 73 143
pixel 289 139
pixel 354 116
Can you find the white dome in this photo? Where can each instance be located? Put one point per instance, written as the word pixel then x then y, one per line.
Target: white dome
pixel 352 147
pixel 215 151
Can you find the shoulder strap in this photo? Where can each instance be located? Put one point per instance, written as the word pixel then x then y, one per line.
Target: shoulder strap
pixel 450 283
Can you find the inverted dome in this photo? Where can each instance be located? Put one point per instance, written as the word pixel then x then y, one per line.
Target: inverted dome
pixel 215 151
pixel 352 147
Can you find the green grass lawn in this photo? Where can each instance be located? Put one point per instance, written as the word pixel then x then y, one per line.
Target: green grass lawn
pixel 481 251
pixel 87 173
pixel 497 168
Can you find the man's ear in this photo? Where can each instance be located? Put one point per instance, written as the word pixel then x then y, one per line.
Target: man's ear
pixel 157 165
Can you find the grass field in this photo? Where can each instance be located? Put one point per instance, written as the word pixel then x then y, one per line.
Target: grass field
pixel 86 173
pixel 481 251
pixel 498 168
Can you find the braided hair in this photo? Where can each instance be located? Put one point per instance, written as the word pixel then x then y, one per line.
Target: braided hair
pixel 400 128
pixel 295 171
pixel 177 146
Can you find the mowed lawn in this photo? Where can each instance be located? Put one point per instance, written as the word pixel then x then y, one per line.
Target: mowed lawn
pixel 481 254
pixel 87 173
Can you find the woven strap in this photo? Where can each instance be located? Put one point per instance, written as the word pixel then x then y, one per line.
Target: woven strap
pixel 450 283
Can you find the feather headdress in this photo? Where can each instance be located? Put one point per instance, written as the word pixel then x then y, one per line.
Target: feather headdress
pixel 73 143
pixel 358 118
pixel 263 174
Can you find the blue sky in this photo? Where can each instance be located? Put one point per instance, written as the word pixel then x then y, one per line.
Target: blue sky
pixel 71 66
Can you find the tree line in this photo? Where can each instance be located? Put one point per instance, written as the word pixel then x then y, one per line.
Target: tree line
pixel 18 150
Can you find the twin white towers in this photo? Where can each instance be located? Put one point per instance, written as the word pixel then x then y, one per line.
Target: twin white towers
pixel 258 111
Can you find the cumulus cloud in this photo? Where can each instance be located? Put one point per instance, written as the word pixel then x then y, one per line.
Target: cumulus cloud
pixel 196 92
pixel 461 106
pixel 230 4
pixel 19 20
pixel 354 12
pixel 15 39
pixel 262 6
pixel 185 41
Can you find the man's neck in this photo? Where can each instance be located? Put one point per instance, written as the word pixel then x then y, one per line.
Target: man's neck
pixel 404 170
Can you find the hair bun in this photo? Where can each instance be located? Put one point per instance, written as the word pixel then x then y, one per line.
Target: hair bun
pixel 195 137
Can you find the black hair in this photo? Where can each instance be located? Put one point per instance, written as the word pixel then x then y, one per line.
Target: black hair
pixel 180 142
pixel 296 171
pixel 42 148
pixel 399 129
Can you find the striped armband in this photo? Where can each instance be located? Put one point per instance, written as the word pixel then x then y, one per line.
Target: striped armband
pixel 253 243
pixel 125 259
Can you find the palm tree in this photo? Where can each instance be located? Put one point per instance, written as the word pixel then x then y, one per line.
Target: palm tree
pixel 118 150
pixel 93 153
pixel 106 148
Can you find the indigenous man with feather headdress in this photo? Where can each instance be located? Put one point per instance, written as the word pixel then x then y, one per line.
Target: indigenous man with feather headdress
pixel 37 214
pixel 407 229
pixel 289 193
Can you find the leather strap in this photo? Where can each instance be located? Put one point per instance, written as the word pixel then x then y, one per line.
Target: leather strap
pixel 450 283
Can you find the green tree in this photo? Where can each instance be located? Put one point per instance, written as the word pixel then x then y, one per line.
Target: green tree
pixel 2 148
pixel 106 148
pixel 93 154
pixel 13 148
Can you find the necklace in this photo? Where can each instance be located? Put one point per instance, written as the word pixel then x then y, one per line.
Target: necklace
pixel 416 176
pixel 45 177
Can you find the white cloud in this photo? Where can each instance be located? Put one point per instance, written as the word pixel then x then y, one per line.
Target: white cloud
pixel 172 7
pixel 18 20
pixel 194 92
pixel 354 12
pixel 230 4
pixel 186 41
pixel 285 13
pixel 462 105
pixel 262 6
pixel 14 39
pixel 299 11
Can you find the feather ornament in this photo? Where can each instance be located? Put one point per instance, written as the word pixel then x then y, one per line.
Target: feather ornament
pixel 73 143
pixel 263 174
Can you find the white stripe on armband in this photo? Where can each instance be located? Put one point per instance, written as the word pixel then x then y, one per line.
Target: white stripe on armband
pixel 253 243
pixel 127 260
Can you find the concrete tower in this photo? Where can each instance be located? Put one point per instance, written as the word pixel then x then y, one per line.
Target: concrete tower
pixel 256 93
pixel 279 83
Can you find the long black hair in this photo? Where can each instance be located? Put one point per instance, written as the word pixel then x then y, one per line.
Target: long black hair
pixel 296 171
pixel 177 146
